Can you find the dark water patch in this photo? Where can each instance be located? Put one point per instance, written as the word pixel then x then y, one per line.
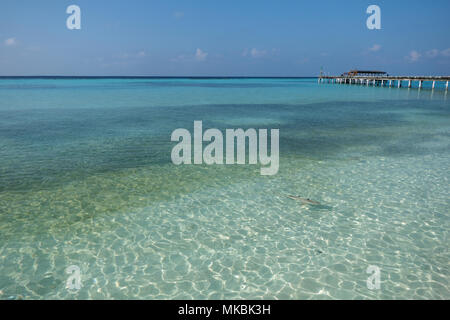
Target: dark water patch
pixel 64 208
pixel 139 83
pixel 47 147
pixel 225 85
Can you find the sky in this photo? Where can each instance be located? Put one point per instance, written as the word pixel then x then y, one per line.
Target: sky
pixel 223 38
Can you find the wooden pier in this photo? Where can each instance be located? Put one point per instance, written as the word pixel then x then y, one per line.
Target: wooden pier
pixel 382 79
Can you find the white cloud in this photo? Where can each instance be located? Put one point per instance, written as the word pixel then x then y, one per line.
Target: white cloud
pixel 179 58
pixel 432 53
pixel 413 56
pixel 140 54
pixel 375 48
pixel 259 53
pixel 446 52
pixel 10 42
pixel 200 55
pixel 178 14
pixel 254 53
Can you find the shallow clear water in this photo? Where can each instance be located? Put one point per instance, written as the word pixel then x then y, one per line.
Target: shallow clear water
pixel 86 179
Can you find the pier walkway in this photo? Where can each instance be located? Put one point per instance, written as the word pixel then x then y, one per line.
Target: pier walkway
pixel 381 79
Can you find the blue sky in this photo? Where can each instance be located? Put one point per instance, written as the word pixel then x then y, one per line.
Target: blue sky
pixel 226 38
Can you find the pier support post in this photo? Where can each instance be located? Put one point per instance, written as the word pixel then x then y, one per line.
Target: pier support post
pixel 384 82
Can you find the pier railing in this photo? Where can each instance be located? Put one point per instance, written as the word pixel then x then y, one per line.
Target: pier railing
pixel 386 81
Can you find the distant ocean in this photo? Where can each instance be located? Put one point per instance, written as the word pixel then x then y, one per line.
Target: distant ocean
pixel 86 180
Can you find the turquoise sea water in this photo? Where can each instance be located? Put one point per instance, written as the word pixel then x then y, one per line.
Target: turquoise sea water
pixel 86 179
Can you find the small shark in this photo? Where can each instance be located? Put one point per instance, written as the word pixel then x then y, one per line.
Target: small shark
pixel 304 200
